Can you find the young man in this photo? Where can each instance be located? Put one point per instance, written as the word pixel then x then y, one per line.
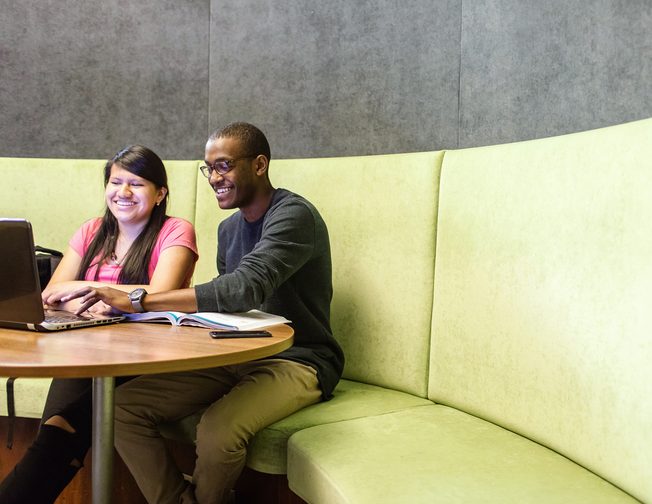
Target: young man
pixel 274 255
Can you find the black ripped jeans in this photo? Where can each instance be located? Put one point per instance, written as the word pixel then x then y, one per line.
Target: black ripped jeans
pixel 56 455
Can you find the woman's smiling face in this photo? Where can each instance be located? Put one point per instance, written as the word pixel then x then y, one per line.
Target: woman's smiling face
pixel 131 198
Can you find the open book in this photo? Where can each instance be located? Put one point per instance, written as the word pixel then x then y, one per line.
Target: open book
pixel 253 319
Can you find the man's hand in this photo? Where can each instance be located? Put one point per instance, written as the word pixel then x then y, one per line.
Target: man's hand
pixel 101 308
pixel 118 299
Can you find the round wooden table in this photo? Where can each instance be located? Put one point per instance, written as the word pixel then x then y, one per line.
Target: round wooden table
pixel 123 349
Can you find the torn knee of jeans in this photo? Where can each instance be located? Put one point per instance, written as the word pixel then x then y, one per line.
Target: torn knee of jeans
pixel 60 423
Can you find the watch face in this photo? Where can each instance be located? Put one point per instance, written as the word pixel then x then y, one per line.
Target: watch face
pixel 136 297
pixel 136 294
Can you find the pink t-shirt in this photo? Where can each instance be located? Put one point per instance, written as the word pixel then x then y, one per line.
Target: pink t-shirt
pixel 175 232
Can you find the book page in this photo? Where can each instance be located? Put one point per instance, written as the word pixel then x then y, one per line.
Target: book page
pixel 254 319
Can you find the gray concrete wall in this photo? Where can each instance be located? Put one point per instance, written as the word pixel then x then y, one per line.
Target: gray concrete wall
pixel 532 69
pixel 322 78
pixel 338 77
pixel 84 78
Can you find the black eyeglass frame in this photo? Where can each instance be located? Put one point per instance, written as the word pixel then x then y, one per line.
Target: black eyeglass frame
pixel 222 166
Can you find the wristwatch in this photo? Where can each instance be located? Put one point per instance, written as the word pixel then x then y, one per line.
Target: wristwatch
pixel 136 297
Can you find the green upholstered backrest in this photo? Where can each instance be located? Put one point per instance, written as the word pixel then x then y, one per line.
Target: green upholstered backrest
pixel 55 195
pixel 58 195
pixel 542 319
pixel 182 180
pixel 380 212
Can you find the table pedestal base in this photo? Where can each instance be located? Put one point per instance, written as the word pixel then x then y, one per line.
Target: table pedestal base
pixel 102 472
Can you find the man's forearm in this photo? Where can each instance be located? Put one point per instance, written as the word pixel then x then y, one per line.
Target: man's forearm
pixel 177 300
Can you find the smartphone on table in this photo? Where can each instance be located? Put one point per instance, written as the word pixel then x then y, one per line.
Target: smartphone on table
pixel 240 334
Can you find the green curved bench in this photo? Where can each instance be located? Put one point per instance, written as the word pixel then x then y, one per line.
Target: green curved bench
pixel 492 304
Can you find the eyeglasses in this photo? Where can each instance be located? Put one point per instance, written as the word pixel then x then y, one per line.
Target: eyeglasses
pixel 222 167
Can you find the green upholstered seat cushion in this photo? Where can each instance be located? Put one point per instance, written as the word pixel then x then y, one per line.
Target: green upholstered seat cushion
pixel 434 454
pixel 29 396
pixel 267 451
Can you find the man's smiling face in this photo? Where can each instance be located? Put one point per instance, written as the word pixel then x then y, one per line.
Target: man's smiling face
pixel 237 188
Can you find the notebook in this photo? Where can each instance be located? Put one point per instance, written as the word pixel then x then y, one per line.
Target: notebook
pixel 21 306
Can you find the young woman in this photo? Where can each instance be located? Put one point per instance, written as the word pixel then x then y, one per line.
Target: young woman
pixel 135 244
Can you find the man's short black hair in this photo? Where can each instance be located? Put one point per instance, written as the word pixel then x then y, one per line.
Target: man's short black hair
pixel 252 139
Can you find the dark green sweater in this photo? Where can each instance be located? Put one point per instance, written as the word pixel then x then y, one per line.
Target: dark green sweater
pixel 281 264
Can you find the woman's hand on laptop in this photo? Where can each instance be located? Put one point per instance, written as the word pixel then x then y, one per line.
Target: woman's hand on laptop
pixel 53 293
pixel 52 300
pixel 89 296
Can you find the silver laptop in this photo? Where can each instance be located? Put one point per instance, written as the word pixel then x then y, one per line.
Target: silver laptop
pixel 21 306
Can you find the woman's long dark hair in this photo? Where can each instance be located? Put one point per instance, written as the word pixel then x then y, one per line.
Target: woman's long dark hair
pixel 144 163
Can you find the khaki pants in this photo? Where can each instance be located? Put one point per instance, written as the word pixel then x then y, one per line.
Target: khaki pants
pixel 240 400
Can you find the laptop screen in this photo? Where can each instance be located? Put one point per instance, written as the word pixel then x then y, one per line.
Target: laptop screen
pixel 20 292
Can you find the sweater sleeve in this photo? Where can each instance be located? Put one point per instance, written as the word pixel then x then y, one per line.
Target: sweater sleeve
pixel 286 244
